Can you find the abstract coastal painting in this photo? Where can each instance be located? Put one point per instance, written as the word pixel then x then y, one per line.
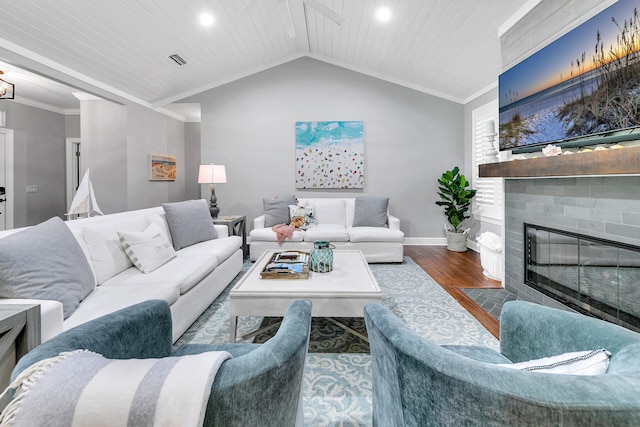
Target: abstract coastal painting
pixel 330 154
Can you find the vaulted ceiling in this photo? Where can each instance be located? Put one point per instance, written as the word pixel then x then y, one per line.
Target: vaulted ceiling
pixel 120 48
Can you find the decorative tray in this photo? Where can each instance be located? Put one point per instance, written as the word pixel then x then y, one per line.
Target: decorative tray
pixel 287 265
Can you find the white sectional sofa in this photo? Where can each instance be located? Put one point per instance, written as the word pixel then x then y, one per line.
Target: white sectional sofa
pixel 189 282
pixel 337 221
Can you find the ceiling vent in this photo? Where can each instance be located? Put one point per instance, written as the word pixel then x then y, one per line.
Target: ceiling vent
pixel 177 59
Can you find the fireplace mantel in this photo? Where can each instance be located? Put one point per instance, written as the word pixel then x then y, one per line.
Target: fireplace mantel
pixel 624 161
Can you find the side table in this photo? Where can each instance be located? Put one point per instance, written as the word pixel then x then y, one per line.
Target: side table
pixel 19 330
pixel 237 227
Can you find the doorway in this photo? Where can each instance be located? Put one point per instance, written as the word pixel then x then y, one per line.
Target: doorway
pixel 6 179
pixel 74 167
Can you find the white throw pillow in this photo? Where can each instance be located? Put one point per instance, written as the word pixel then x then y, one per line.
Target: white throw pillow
pixel 329 211
pixel 302 217
pixel 148 249
pixel 107 256
pixel 161 220
pixel 590 362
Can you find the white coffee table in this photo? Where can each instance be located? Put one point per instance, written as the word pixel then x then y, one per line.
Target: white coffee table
pixel 342 292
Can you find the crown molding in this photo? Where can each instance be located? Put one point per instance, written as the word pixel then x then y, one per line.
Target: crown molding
pixel 171 114
pixel 520 13
pixel 83 96
pixel 37 104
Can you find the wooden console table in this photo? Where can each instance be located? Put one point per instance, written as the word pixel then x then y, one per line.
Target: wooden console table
pixel 237 227
pixel 19 324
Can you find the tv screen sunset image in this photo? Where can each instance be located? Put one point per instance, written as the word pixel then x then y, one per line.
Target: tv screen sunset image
pixel 586 82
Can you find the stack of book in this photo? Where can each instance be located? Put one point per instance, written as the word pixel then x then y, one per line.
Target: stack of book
pixel 287 265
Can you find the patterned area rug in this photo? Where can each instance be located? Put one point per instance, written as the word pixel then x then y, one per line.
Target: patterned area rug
pixel 325 336
pixel 337 384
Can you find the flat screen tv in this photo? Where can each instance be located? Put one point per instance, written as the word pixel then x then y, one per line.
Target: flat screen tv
pixel 583 86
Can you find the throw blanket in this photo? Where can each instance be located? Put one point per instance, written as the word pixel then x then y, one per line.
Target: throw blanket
pixel 81 388
pixel 283 231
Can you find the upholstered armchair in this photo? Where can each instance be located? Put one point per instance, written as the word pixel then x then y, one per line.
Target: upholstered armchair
pixel 418 383
pixel 259 386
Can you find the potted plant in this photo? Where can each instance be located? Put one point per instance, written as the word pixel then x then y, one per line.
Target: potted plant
pixel 456 199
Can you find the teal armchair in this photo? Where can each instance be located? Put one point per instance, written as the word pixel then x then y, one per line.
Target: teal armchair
pixel 259 386
pixel 419 383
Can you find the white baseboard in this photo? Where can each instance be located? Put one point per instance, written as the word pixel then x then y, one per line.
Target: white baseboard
pixel 436 241
pixel 425 241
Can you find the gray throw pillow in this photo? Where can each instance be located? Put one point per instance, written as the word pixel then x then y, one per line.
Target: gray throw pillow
pixel 276 210
pixel 45 262
pixel 371 211
pixel 189 222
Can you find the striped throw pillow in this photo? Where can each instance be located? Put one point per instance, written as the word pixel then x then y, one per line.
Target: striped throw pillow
pixel 148 249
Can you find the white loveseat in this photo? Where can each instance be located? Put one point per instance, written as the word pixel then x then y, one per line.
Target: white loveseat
pixel 189 282
pixel 334 219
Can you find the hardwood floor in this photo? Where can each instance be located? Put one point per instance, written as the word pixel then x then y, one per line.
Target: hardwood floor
pixel 455 271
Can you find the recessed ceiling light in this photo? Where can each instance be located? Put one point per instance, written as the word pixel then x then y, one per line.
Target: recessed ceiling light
pixel 383 14
pixel 206 19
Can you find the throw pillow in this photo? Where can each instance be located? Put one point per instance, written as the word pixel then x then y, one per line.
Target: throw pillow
pixel 276 210
pixel 370 211
pixel 45 262
pixel 189 222
pixel 161 220
pixel 590 362
pixel 105 251
pixel 328 210
pixel 148 249
pixel 302 217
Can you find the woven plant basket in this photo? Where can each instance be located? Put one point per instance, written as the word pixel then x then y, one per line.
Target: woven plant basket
pixel 456 242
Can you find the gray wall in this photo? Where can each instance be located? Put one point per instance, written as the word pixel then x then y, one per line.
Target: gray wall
pixel 149 132
pixel 39 150
pixel 192 159
pixel 103 126
pixel 410 138
pixel 116 143
pixel 72 126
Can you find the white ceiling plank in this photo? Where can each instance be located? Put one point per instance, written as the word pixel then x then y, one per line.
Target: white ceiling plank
pixel 337 30
pixel 354 19
pixel 392 31
pixel 445 47
pixel 445 11
pixel 366 12
pixel 245 10
pixel 416 40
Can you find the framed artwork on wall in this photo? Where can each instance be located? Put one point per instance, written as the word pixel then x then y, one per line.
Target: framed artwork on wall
pixel 330 154
pixel 162 168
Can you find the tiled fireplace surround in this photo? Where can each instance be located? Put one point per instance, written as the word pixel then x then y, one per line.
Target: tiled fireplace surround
pixel 606 206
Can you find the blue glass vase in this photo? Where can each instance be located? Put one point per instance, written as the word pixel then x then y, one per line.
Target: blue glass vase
pixel 321 257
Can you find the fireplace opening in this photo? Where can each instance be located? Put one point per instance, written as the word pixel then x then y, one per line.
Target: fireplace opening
pixel 596 277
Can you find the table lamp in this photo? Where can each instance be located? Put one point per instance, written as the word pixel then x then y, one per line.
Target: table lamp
pixel 212 175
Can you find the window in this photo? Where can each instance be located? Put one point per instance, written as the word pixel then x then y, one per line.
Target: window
pixel 488 203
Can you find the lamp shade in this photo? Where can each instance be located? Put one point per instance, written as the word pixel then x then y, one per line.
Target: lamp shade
pixel 212 174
